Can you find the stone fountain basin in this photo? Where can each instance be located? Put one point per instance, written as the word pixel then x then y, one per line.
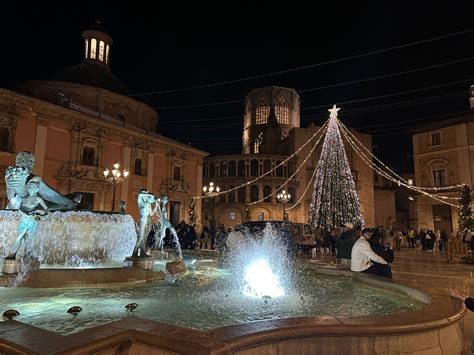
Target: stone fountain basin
pixel 433 329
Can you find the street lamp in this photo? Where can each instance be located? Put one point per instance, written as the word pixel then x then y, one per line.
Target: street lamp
pixel 115 177
pixel 211 190
pixel 284 197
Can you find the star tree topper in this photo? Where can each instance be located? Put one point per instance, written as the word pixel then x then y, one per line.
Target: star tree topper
pixel 333 111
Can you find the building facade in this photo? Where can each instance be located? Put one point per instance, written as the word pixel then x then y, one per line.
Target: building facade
pixel 81 122
pixel 272 133
pixel 443 156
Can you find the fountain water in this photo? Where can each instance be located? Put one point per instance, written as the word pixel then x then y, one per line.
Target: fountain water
pixel 74 238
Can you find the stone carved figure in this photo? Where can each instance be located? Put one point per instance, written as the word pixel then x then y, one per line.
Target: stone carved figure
pixel 146 211
pixel 163 225
pixel 17 177
pixel 33 209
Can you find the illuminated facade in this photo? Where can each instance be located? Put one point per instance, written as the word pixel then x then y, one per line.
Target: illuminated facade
pixel 443 154
pixel 81 122
pixel 271 133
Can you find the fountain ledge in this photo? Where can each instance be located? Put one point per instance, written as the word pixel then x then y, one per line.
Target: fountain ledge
pixel 433 329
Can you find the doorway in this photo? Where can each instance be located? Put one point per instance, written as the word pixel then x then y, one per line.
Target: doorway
pixel 442 218
pixel 174 212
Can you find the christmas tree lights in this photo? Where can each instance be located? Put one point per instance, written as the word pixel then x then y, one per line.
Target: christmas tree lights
pixel 464 210
pixel 334 200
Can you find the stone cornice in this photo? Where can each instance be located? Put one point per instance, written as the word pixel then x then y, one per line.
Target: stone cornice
pixel 50 111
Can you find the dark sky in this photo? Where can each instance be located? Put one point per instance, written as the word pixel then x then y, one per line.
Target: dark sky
pixel 159 46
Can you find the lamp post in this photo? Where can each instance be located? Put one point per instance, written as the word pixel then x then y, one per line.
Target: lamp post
pixel 209 192
pixel 115 177
pixel 284 197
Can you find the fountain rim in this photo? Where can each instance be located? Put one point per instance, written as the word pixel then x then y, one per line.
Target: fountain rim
pixel 437 313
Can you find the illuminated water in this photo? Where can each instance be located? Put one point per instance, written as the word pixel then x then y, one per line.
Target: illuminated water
pixel 203 299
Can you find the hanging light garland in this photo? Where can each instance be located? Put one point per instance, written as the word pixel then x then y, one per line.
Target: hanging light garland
pixel 293 175
pixel 371 164
pixel 269 171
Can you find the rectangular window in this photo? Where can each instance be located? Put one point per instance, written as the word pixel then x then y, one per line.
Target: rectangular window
pixel 4 136
pixel 107 54
pixel 177 173
pixel 439 177
pixel 232 216
pixel 87 48
pixel 261 216
pixel 436 138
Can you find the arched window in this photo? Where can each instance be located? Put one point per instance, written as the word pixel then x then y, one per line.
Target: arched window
pixel 93 48
pixel 254 167
pixel 292 192
pixel 267 165
pixel 279 170
pixel 138 167
pixel 107 54
pixel 101 51
pixel 88 156
pixel 263 110
pixel 241 194
pixel 282 111
pixel 87 49
pixel 231 194
pixel 254 193
pixel 267 190
pixel 231 168
pixel 223 169
pixel 241 168
pixel 212 169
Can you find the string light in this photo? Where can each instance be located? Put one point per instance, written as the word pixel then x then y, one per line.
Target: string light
pixel 383 173
pixel 271 170
pixel 334 200
pixel 293 175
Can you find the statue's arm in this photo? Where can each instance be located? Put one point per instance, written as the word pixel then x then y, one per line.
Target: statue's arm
pixel 49 194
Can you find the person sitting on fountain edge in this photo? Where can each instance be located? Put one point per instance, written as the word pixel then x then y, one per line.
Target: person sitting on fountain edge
pixel 385 252
pixel 363 257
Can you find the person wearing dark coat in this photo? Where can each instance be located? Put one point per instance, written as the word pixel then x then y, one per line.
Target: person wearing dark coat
pixel 385 252
pixel 345 243
pixel 468 301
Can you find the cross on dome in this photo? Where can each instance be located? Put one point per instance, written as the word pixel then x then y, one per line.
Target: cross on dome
pixel 333 111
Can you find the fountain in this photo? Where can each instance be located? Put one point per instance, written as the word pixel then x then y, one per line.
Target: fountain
pixel 257 298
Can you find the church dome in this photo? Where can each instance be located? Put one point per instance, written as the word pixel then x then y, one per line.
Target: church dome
pixel 93 75
pixel 94 69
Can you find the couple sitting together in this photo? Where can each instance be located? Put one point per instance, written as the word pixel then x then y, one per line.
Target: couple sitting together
pixel 369 256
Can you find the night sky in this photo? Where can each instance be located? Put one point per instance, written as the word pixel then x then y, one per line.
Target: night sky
pixel 159 47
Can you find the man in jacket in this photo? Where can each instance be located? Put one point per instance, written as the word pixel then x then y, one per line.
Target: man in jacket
pixel 345 243
pixel 364 259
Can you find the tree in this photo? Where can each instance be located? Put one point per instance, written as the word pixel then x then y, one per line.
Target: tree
pixel 334 201
pixel 464 209
pixel 192 213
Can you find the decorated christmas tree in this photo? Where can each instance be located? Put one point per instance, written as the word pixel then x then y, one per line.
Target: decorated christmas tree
pixel 192 213
pixel 334 201
pixel 464 210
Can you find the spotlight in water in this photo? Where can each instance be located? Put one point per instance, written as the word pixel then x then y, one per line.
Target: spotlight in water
pixel 260 280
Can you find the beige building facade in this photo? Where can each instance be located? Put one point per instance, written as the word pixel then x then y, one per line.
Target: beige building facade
pixel 443 156
pixel 271 133
pixel 81 122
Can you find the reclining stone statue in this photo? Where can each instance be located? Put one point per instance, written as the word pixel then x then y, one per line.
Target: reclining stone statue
pixel 33 209
pixel 17 177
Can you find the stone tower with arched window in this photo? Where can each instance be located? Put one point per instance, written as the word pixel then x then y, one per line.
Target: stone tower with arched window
pixel 265 107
